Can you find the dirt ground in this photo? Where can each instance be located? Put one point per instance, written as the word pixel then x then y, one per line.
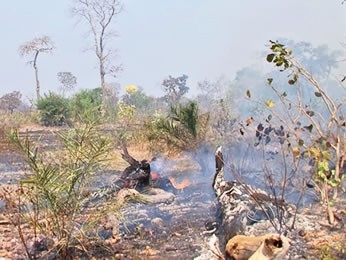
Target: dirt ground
pixel 175 230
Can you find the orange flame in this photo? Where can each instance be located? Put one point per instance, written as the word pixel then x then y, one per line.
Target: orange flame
pixel 179 186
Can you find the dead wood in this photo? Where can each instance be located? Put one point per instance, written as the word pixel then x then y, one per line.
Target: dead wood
pixel 242 206
pixel 127 157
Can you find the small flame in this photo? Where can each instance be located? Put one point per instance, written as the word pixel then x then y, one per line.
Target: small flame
pixel 179 186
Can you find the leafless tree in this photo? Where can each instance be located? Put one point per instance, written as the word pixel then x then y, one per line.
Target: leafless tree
pixel 67 80
pixel 33 48
pixel 100 15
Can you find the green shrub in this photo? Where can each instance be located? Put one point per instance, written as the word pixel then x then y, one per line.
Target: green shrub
pixel 88 101
pixel 54 110
pixel 184 129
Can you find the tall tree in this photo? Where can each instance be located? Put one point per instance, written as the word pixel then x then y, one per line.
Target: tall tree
pixel 11 101
pixel 33 48
pixel 175 88
pixel 100 16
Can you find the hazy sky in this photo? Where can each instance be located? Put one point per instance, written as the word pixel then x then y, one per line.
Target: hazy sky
pixel 156 38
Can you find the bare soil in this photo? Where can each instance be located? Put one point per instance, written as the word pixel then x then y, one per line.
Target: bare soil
pixel 175 230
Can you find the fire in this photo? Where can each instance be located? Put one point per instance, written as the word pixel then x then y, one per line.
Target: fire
pixel 182 185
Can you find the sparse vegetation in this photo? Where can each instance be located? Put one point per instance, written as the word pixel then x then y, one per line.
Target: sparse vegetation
pixel 183 129
pixel 289 140
pixel 50 197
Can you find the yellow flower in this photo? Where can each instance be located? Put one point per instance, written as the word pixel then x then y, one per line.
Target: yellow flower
pixel 130 89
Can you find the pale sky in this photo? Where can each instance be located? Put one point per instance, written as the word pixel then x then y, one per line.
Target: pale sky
pixel 203 39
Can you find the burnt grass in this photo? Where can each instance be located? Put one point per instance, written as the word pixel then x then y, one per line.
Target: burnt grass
pixel 174 230
pixel 150 231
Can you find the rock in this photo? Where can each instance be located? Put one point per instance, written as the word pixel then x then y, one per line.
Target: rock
pixel 156 196
pixel 105 233
pixel 269 246
pixel 158 222
pixel 170 248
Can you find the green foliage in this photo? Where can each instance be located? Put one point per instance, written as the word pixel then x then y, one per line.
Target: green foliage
pixel 126 113
pixel 139 99
pixel 11 101
pixel 183 129
pixel 328 252
pixel 86 102
pixel 316 133
pixel 58 183
pixel 54 110
pixel 175 88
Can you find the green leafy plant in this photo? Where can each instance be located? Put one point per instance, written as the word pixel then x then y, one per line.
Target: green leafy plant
pixel 314 131
pixel 328 252
pixel 183 129
pixel 54 110
pixel 86 102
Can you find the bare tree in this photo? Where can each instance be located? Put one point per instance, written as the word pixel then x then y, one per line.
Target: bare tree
pixel 67 80
pixel 33 48
pixel 100 16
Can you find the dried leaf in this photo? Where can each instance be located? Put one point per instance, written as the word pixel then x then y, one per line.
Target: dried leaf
pixel 249 121
pixel 269 103
pixel 295 151
pixel 309 128
pixel 248 93
pixel 269 80
pixel 310 113
pixel 241 131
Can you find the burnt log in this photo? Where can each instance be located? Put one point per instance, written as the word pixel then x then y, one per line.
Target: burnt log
pixel 242 205
pixel 136 176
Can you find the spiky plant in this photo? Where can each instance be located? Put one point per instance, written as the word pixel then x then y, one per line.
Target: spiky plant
pixel 57 184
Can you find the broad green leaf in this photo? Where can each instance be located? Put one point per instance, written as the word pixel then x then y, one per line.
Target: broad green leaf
pixel 334 183
pixel 323 166
pixel 300 142
pixel 326 155
pixel 270 57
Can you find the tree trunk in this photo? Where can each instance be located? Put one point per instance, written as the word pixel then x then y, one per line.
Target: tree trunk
pixel 242 205
pixel 36 76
